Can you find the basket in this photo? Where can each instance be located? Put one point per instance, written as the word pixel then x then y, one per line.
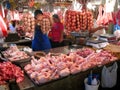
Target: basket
pixel 114 49
pixel 39 54
pixel 91 87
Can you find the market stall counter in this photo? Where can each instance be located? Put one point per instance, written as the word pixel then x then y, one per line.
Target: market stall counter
pixel 26 42
pixel 70 82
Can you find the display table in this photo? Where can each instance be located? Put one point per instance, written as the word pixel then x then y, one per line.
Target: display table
pixel 25 42
pixel 71 82
pixel 22 42
pixel 28 42
pixel 19 42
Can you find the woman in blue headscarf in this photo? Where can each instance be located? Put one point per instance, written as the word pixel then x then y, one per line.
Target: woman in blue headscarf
pixel 117 25
pixel 40 40
pixel 117 20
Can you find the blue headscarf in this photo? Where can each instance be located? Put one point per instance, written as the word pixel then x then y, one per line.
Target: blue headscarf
pixel 116 27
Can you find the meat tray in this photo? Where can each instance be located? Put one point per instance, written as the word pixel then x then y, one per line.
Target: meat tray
pixel 50 81
pixel 95 41
pixel 19 60
pixel 75 46
pixel 39 54
pixel 60 78
pixel 22 65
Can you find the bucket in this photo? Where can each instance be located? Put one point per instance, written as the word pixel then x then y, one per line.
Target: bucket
pixel 91 87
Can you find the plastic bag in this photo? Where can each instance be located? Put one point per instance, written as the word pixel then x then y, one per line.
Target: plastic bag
pixel 109 76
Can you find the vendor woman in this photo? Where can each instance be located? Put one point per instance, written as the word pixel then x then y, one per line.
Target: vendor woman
pixel 40 40
pixel 56 32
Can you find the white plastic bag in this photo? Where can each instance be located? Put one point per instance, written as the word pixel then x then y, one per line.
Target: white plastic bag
pixel 109 76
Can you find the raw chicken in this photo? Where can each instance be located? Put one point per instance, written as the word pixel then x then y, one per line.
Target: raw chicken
pixel 64 72
pixel 53 67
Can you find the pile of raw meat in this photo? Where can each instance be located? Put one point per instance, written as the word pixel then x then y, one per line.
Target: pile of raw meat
pixel 14 54
pixel 28 24
pixel 76 21
pixel 51 67
pixel 104 17
pixel 84 52
pixel 9 71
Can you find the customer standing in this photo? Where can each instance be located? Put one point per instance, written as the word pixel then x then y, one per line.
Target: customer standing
pixel 56 32
pixel 117 25
pixel 117 20
pixel 40 40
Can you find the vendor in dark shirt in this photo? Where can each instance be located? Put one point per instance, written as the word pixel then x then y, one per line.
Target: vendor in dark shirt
pixel 40 40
